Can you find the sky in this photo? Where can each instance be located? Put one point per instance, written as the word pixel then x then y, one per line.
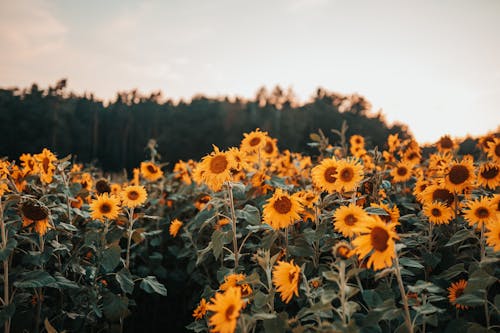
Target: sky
pixel 433 65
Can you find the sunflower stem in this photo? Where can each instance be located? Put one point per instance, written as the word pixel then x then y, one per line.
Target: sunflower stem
pixel 343 286
pixel 482 241
pixel 129 238
pixel 403 294
pixel 6 300
pixel 233 225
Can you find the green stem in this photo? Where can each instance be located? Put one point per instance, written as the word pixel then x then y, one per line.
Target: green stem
pixel 129 238
pixel 403 294
pixel 233 225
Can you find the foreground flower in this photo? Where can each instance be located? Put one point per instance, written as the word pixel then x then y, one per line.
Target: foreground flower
pixel 376 237
pixel 489 175
pixel 226 309
pixel 347 218
pixel 215 169
pixel 200 310
pixel 46 165
pixel 234 280
pixel 150 171
pixel 281 210
pixel 105 206
pixel 438 213
pixel 455 291
pixel 133 196
pixel 174 228
pixel 349 174
pixel 402 172
pixel 253 141
pixel 286 277
pixel 480 211
pixel 459 175
pixel 35 213
pixel 324 175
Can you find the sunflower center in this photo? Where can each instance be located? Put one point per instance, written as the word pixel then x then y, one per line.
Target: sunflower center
pixel 254 142
pixel 105 208
pixel 269 147
pixel 497 150
pixel 283 205
pixel 443 195
pixel 151 168
pixel 218 164
pixel 436 212
pixel 458 174
pixel 482 212
pixel 402 171
pixel 330 174
pixel 412 156
pixel 342 251
pixel 34 212
pixel 379 238
pixel 350 220
pixel 347 174
pixel 490 173
pixel 102 186
pixel 446 143
pixel 133 195
pixel 229 312
pixel 291 276
pixel 459 292
pixel 45 164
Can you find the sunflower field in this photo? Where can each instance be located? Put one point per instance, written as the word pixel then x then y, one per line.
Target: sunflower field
pixel 399 238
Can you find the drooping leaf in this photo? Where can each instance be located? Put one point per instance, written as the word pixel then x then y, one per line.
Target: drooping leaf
pixel 35 279
pixel 151 285
pixel 111 258
pixel 125 280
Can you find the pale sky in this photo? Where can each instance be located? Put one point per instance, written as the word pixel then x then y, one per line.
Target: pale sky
pixel 434 65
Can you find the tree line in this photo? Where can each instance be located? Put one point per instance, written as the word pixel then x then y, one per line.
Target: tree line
pixel 114 135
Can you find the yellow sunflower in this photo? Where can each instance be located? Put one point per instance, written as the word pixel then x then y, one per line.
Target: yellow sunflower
pixel 347 218
pixel 116 189
pixel 420 186
pixel 34 212
pixel 393 212
pixel 412 155
pixel 438 193
pixel 489 175
pixel 216 168
pixel 493 236
pixel 174 228
pixel 495 201
pixel 282 209
pixel 253 141
pixel 324 175
pixel 240 159
pixel 438 213
pixel 376 238
pixel 480 211
pixel 200 310
pixel 46 167
pixel 226 309
pixel 455 291
pixel 342 250
pixel 493 150
pixel 270 149
pixel 349 174
pixel 234 280
pixel 402 172
pixel 150 171
pixel 393 142
pixel 133 196
pixel 105 206
pixel 446 144
pixel 459 175
pixel 29 164
pixel 437 162
pixel 357 141
pixel 286 276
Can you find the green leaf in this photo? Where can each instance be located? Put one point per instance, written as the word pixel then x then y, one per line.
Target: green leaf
pixel 249 213
pixel 151 285
pixel 479 280
pixel 407 262
pixel 376 211
pixel 125 280
pixel 427 309
pixel 431 259
pixel 114 306
pixel 470 300
pixel 371 298
pixel 421 286
pixel 5 252
pixel 35 279
pixel 460 236
pixel 68 227
pixel 217 243
pixel 328 295
pixel 331 276
pixel 452 272
pixel 111 258
pixel 64 283
pixel 7 312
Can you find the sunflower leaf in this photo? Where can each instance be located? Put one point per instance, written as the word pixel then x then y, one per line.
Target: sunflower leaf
pixel 460 236
pixel 111 257
pixel 151 285
pixel 7 250
pixel 376 211
pixel 35 279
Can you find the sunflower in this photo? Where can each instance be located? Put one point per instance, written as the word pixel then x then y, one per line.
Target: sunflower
pixel 29 164
pixel 286 277
pixel 216 168
pixel 349 174
pixel 495 201
pixel 253 141
pixel 86 180
pixel 150 171
pixel 348 217
pixel 493 236
pixel 455 291
pixel 202 201
pixel 446 144
pixel 34 212
pixel 116 189
pixel 480 211
pixel 419 188
pixel 342 250
pixel 357 151
pixel 270 149
pixel 200 310
pixel 402 172
pixel 226 309
pixel 438 213
pixel 102 186
pixel 393 142
pixel 133 196
pixel 459 175
pixel 174 228
pixel 46 167
pixel 357 141
pixel 105 206
pixel 493 150
pixel 282 209
pixel 240 159
pixel 324 175
pixel 376 237
pixel 234 280
pixel 393 213
pixel 489 175
pixel 438 193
